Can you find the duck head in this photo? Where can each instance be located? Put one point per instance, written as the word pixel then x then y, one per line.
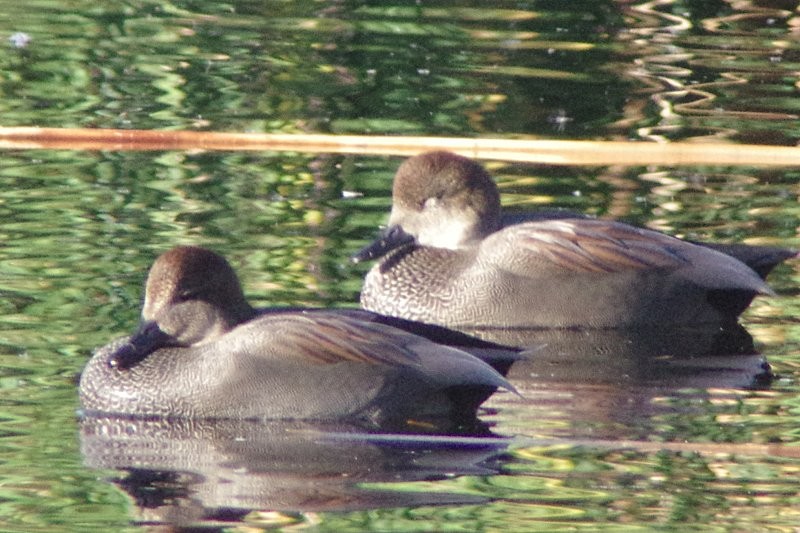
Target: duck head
pixel 441 200
pixel 192 296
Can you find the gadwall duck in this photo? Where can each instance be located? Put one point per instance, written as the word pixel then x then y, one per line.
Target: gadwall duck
pixel 202 351
pixel 446 258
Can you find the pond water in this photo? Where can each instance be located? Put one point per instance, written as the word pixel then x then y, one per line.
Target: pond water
pixel 610 433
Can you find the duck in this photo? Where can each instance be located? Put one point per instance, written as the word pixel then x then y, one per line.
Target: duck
pixel 202 351
pixel 447 258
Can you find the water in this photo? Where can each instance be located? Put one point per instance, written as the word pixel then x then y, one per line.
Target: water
pixel 608 434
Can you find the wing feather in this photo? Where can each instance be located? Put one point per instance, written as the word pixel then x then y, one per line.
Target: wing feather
pixel 585 246
pixel 328 339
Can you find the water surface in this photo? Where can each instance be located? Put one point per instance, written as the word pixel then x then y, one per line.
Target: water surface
pixel 610 433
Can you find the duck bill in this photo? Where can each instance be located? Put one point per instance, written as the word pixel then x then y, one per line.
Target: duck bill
pixel 147 339
pixel 390 239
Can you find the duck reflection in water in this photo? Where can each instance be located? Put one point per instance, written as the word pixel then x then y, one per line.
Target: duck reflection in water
pixel 196 472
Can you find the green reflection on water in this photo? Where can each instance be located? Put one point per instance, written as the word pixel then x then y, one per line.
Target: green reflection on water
pixel 152 65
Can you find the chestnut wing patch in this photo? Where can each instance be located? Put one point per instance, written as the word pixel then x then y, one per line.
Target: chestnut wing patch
pixel 585 246
pixel 328 339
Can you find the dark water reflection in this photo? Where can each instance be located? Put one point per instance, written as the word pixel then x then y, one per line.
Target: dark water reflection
pixel 612 430
pixel 188 472
pixel 610 385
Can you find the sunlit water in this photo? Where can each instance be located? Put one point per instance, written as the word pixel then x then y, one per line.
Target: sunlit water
pixel 607 434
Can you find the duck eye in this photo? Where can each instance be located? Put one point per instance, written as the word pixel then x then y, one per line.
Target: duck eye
pixel 186 294
pixel 431 202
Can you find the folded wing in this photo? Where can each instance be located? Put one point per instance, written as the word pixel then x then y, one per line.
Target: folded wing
pixel 586 246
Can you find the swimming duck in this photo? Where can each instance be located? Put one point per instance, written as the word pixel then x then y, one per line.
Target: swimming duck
pixel 202 351
pixel 447 258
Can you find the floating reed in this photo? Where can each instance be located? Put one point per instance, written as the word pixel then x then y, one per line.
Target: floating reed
pixel 525 150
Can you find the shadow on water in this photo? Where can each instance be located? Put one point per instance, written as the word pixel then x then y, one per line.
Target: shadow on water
pixel 621 384
pixel 674 357
pixel 185 472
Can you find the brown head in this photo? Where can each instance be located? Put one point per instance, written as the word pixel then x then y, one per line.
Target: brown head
pixel 441 200
pixel 444 200
pixel 192 296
